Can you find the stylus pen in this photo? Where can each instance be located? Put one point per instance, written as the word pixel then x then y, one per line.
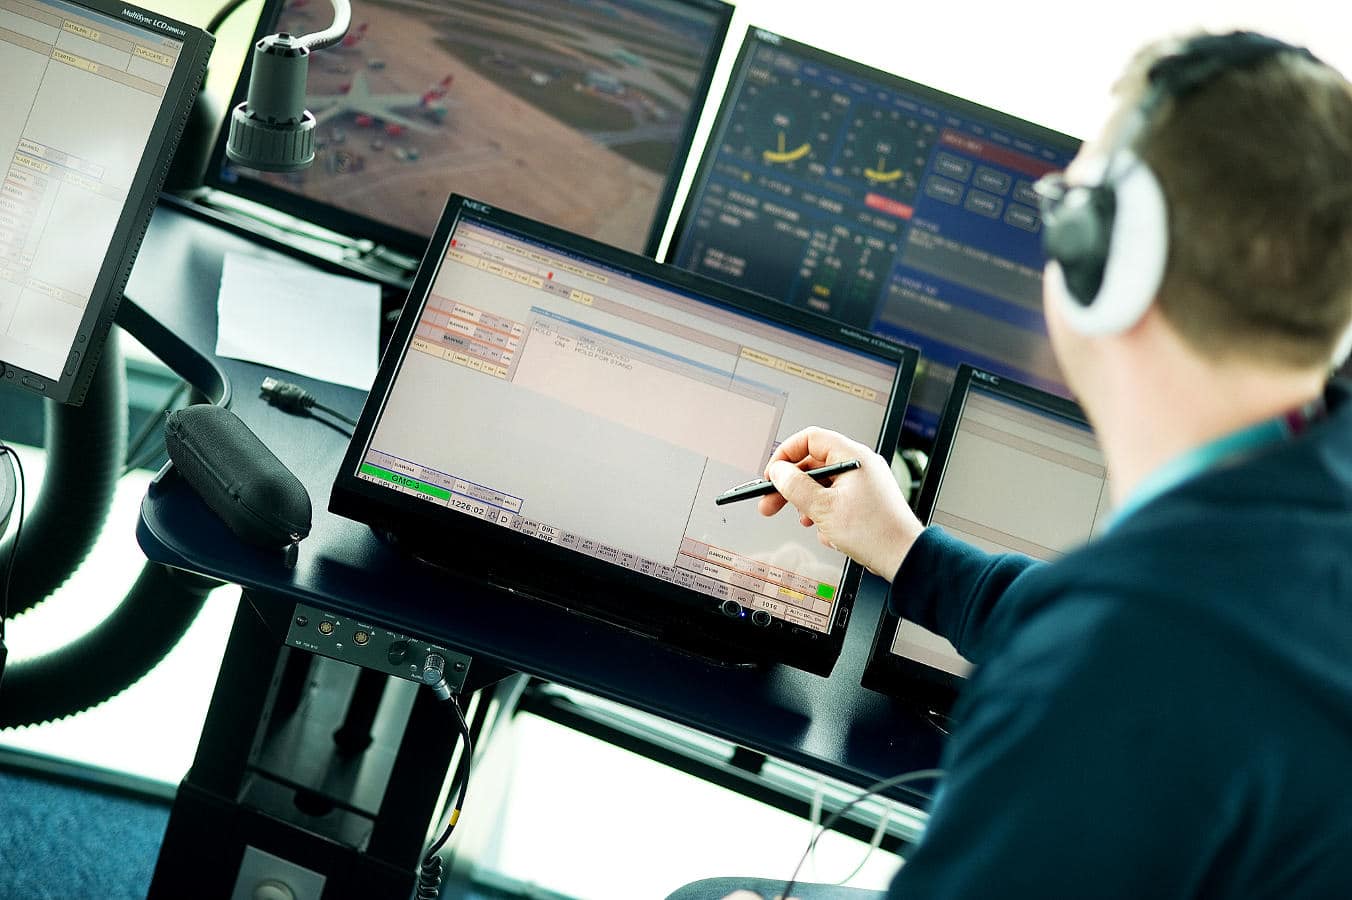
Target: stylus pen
pixel 760 487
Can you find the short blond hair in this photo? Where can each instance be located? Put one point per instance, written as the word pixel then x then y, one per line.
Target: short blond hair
pixel 1256 167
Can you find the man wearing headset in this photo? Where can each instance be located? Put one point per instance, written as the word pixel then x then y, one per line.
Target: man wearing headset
pixel 1166 712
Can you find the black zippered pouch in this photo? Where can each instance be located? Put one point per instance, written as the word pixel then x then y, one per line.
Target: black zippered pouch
pixel 238 477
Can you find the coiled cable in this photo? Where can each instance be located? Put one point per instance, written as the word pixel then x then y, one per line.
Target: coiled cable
pixel 430 872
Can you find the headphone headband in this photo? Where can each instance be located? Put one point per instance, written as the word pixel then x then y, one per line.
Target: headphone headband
pixel 1107 240
pixel 1206 56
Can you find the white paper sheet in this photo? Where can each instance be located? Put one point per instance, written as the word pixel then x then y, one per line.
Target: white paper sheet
pixel 286 315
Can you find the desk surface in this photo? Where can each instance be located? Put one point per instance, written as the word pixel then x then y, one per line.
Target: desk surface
pixel 831 725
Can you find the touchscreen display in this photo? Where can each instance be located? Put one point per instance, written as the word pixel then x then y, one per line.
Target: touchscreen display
pixel 590 408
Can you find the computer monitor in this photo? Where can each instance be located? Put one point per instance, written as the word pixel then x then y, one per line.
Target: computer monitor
pixel 93 97
pixel 579 113
pixel 1014 470
pixel 556 416
pixel 880 202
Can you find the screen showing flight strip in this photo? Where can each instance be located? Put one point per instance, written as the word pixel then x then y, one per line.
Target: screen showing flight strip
pixel 579 405
pixel 1018 479
pixel 882 203
pixel 80 94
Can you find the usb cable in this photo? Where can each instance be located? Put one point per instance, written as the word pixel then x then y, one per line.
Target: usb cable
pixel 295 399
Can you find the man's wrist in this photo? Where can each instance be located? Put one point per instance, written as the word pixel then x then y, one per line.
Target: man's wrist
pixel 890 565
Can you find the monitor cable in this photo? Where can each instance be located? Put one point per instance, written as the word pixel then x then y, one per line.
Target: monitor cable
pixel 831 820
pixel 430 872
pixel 293 398
pixel 226 11
pixel 147 446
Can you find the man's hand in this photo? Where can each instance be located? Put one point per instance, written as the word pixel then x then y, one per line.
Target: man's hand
pixel 862 513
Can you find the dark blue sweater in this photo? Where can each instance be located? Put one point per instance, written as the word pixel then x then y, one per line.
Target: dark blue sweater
pixel 1163 713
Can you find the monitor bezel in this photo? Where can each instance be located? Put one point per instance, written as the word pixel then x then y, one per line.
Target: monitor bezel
pixel 754 37
pixel 72 384
pixel 357 225
pixel 727 105
pixel 907 679
pixel 518 564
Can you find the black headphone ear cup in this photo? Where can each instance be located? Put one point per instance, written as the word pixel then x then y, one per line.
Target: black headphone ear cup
pixel 1077 232
pixel 1135 242
pixel 1107 240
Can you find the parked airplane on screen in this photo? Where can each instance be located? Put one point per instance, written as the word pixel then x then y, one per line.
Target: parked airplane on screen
pixel 389 109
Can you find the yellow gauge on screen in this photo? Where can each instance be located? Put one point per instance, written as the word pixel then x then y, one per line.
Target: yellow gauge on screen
pixel 783 155
pixel 880 175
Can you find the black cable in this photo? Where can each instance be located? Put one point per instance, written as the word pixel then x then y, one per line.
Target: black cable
pixel 222 14
pixel 336 414
pixel 296 399
pixel 138 440
pixel 429 874
pixel 831 820
pixel 19 499
pixel 137 453
pixel 154 456
pixel 150 459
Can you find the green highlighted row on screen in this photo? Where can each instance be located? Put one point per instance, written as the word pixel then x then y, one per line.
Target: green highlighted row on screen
pixel 412 484
pixel 824 591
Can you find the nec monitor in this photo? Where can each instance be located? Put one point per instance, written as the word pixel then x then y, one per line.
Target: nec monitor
pixel 880 202
pixel 94 97
pixel 1014 470
pixel 574 112
pixel 556 417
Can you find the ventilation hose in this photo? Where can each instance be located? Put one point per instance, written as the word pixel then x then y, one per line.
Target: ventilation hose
pixel 135 637
pixel 85 450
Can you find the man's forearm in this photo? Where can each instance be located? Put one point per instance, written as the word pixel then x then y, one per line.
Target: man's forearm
pixel 951 587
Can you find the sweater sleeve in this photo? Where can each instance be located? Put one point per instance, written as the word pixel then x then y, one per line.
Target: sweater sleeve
pixel 951 588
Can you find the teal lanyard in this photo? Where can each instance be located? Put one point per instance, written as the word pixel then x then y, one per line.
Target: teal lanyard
pixel 1223 450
